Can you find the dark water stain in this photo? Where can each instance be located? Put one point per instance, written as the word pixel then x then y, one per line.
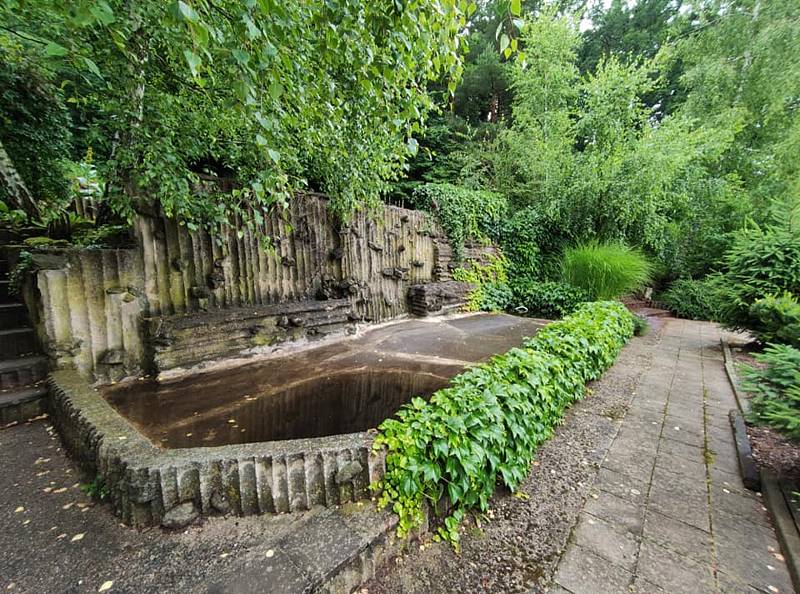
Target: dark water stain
pixel 343 387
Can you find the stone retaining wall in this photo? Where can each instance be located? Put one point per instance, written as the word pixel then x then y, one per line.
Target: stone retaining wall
pixel 89 305
pixel 146 484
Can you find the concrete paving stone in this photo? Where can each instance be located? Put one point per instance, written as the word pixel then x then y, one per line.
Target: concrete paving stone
pixel 677 484
pixel 556 589
pixel 638 469
pixel 720 436
pixel 724 457
pixel 727 480
pixel 617 511
pixel 754 565
pixel 648 426
pixel 689 507
pixel 719 417
pixel 686 405
pixel 690 438
pixel 672 571
pixel 321 544
pixel 680 449
pixel 743 532
pixel 678 537
pixel 583 572
pixel 687 437
pixel 743 504
pixel 642 586
pixel 623 486
pixel 626 456
pixel 634 446
pixel 690 425
pixel 277 574
pixel 731 585
pixel 694 470
pixel 607 540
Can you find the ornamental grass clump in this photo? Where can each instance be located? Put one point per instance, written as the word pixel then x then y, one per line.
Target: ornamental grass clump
pixel 606 270
pixel 487 425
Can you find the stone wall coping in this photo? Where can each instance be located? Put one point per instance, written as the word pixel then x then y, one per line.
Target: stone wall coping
pixel 145 482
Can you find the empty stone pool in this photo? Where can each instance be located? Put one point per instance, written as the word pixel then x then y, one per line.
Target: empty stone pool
pixel 341 388
pixel 282 434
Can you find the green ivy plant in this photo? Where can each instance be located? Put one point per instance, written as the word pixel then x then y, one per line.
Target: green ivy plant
pixel 485 428
pixel 463 213
pixel 485 277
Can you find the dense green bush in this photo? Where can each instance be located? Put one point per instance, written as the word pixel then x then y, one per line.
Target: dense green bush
pixel 547 299
pixel 775 389
pixel 463 213
pixel 780 319
pixel 496 297
pixel 605 270
pixel 693 299
pixel 761 262
pixel 486 426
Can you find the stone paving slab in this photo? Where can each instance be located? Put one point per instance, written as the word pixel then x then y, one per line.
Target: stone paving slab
pixel 669 513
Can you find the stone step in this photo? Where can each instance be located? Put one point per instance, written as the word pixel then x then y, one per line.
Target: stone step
pixel 4 268
pixel 20 405
pixel 16 342
pixel 13 315
pixel 5 292
pixel 16 373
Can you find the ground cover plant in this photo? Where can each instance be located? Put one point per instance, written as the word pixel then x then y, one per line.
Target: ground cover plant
pixel 484 429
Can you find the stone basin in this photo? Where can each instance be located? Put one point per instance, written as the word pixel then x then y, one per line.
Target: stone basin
pixel 276 435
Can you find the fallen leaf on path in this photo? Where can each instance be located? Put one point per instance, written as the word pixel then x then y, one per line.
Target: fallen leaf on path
pixel 19 510
pixel 106 586
pixel 78 537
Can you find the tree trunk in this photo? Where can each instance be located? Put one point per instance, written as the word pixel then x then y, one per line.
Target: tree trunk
pixel 14 186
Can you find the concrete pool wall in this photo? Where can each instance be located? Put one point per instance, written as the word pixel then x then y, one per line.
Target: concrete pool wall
pixel 149 485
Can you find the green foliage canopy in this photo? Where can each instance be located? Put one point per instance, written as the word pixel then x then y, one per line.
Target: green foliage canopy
pixel 278 95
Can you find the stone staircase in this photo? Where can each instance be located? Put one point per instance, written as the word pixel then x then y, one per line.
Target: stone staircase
pixel 23 368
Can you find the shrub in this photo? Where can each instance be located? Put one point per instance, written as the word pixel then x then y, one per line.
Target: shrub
pixel 496 297
pixel 693 299
pixel 775 389
pixel 761 262
pixel 779 318
pixel 605 270
pixel 547 299
pixel 486 426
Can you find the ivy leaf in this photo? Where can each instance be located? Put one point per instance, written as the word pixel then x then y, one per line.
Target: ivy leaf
pixel 92 67
pixel 193 60
pixel 413 146
pixel 274 155
pixel 241 56
pixel 53 49
pixel 187 12
pixel 504 42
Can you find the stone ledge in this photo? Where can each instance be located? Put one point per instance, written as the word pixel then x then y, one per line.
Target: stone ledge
pixel 145 482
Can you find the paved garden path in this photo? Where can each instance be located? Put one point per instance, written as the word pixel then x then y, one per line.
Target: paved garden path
pixel 668 512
